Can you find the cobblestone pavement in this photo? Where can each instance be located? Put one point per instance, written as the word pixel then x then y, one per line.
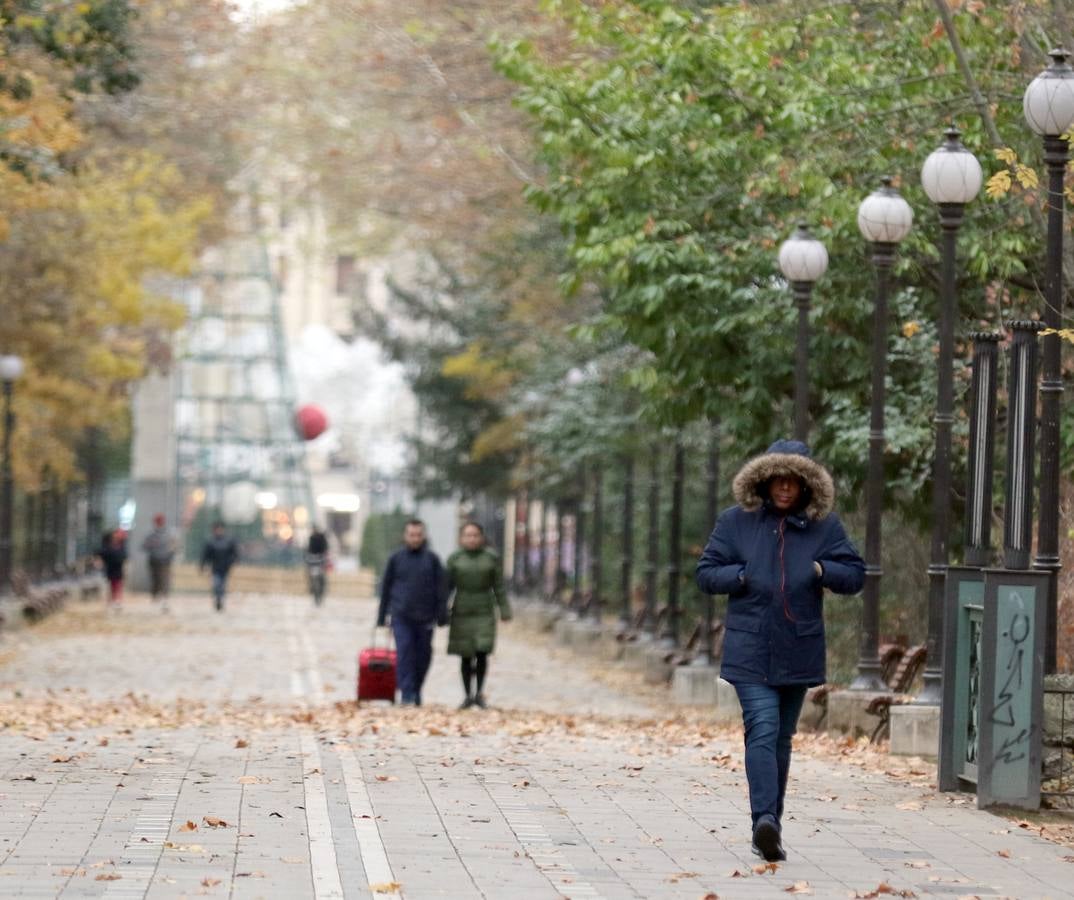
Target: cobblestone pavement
pixel 195 754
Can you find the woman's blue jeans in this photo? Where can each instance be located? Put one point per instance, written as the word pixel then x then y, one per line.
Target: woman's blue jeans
pixel 770 716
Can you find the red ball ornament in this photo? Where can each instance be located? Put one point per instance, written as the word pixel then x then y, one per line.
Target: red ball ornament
pixel 310 422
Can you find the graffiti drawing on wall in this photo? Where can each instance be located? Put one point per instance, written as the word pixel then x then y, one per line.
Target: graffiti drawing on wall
pixel 1011 647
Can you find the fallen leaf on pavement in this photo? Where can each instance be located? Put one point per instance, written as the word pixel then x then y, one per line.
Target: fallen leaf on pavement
pixel 1006 854
pixel 917 864
pixel 214 822
pixel 711 896
pixel 189 826
pixel 292 859
pixel 102 863
pixel 385 887
pixel 910 806
pixel 209 882
pixel 884 889
pixel 386 778
pixel 240 743
pixel 738 874
pixel 108 876
pixel 675 879
pixel 249 874
pixel 78 873
pixel 762 868
pixel 799 887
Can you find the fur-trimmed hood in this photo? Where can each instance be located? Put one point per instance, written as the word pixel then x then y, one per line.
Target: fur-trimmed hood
pixel 786 458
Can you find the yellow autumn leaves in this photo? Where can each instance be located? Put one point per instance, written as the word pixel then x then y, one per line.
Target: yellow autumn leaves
pixel 88 226
pixel 1000 184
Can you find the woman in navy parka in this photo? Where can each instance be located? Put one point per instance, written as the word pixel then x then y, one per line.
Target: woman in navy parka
pixel 773 554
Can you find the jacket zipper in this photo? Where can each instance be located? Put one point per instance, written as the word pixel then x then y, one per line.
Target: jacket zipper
pixel 787 614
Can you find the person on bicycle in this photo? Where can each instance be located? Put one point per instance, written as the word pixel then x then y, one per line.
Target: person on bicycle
pixel 317 563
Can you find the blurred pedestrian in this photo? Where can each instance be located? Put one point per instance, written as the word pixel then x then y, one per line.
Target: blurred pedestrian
pixel 476 576
pixel 159 547
pixel 317 564
pixel 413 592
pixel 773 554
pixel 220 553
pixel 113 554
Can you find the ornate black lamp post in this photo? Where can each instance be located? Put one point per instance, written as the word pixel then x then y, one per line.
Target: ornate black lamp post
pixel 802 260
pixel 951 176
pixel 884 219
pixel 1049 109
pixel 10 372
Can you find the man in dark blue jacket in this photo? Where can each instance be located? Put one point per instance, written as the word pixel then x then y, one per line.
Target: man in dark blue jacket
pixel 773 555
pixel 413 591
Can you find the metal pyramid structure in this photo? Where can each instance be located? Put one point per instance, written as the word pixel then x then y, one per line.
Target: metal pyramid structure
pixel 238 456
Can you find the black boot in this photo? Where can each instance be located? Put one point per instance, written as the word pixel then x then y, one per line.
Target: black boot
pixel 766 840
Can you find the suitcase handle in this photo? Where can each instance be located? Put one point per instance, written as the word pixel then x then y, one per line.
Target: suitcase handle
pixel 373 637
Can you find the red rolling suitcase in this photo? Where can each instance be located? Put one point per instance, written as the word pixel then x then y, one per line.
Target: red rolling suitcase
pixel 376 673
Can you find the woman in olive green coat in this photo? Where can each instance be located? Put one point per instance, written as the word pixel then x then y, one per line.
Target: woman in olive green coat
pixel 475 575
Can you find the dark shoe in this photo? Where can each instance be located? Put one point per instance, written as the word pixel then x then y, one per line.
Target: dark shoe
pixel 479 700
pixel 467 703
pixel 766 840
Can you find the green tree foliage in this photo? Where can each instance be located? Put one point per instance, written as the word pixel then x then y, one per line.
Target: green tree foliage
pixel 682 144
pixel 381 536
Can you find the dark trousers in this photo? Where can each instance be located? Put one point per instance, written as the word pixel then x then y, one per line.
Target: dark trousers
pixel 160 575
pixel 414 649
pixel 770 716
pixel 219 589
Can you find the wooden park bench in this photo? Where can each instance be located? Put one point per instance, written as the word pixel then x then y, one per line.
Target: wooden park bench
pixel 900 671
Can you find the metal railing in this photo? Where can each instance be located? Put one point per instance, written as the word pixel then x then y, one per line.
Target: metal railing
pixel 1057 752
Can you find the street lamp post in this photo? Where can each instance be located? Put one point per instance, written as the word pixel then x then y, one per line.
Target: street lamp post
pixel 10 372
pixel 1049 109
pixel 802 260
pixel 884 219
pixel 951 176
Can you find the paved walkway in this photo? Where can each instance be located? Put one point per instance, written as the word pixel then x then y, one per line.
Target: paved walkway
pixel 203 755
